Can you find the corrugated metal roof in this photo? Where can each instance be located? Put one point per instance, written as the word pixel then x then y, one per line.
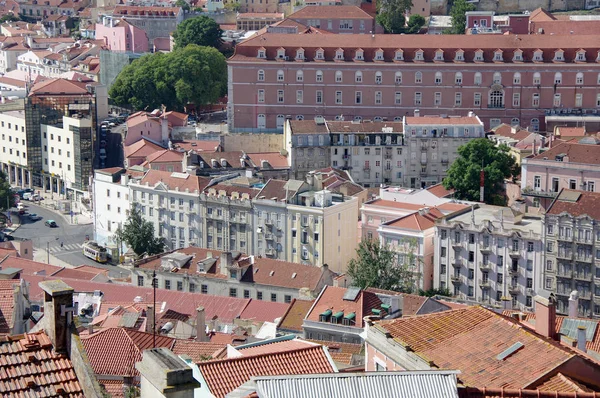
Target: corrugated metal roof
pixel 419 384
pixel 570 325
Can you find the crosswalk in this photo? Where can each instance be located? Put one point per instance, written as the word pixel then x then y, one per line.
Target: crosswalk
pixel 66 248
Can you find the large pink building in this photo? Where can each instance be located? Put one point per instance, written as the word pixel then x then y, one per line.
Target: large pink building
pixel 119 35
pixel 503 78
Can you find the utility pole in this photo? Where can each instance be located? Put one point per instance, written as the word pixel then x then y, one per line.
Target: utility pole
pixel 154 309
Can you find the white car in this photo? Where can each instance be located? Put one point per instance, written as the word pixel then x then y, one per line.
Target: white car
pixel 34 217
pixel 102 154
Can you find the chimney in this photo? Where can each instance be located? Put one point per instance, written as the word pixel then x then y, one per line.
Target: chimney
pixel 417 113
pixel 581 339
pixel 149 318
pixel 573 304
pixel 164 374
pixel 201 325
pixel 545 314
pixel 471 114
pixel 58 313
pixel 225 262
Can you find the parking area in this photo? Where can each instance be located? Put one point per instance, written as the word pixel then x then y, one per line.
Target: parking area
pixel 110 142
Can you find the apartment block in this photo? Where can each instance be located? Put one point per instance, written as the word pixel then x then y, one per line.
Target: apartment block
pixel 119 35
pixel 342 19
pixel 567 165
pixel 572 252
pixel 307 143
pixel 503 78
pixel 490 254
pixel 154 20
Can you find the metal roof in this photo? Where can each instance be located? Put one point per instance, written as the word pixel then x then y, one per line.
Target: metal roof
pixel 570 325
pixel 404 384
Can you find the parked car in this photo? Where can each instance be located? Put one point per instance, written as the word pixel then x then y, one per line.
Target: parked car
pixel 102 143
pixel 51 224
pixel 20 206
pixel 124 115
pixel 27 195
pixel 34 217
pixel 36 197
pixel 102 154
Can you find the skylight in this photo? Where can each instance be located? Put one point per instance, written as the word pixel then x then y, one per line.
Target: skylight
pixel 509 351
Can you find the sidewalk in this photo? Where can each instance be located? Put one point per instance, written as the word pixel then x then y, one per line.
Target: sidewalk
pixel 51 202
pixel 41 255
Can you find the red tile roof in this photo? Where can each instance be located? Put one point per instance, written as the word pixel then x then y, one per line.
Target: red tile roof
pixel 417 221
pixel 560 382
pixel 264 311
pixel 447 339
pixel 331 298
pixel 141 148
pixel 197 145
pixel 225 375
pixel 59 87
pixel 576 203
pixel 29 367
pixel 198 351
pixel 330 12
pixel 113 387
pixel 165 156
pixel 275 160
pixel 394 204
pixel 115 351
pixel 454 120
pixel 73 273
pixel 439 191
pixel 7 304
pixel 564 131
pixel 150 10
pixel 577 153
pixel 294 317
pixel 275 346
pixel 182 181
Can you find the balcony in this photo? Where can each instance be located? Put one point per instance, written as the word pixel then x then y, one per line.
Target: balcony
pixel 268 222
pixel 582 258
pixel 486 249
pixel 445 161
pixel 538 193
pixel 456 279
pixel 367 168
pixel 484 284
pixel 564 238
pixel 513 271
pixel 565 273
pixel 584 241
pixel 457 244
pixel 514 289
pixel 270 252
pixel 585 295
pixel 564 255
pixel 583 276
pixel 514 253
pixel 485 266
pixel 269 236
pixel 345 157
pixel 457 263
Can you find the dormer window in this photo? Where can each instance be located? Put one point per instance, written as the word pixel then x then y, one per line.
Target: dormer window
pixel 459 56
pixel 580 57
pixel 419 55
pixel 325 315
pixel 379 55
pixel 300 54
pixel 538 56
pixel 360 55
pixel 281 53
pixel 439 55
pixel 339 54
pixel 518 56
pixel 498 55
pixel 319 54
pixel 478 56
pixel 233 273
pixel 559 55
pixel 262 53
pixel 399 55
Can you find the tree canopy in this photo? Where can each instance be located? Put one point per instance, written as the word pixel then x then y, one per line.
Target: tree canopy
pixel 458 13
pixel 415 22
pixel 391 14
pixel 377 266
pixel 138 234
pixel 464 174
pixel 7 197
pixel 201 30
pixel 193 74
pixel 183 4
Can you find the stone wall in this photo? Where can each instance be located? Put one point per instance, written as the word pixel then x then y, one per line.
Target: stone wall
pixel 81 364
pixel 251 143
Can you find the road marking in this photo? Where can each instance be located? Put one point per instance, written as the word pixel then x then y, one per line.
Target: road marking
pixel 73 247
pixel 60 253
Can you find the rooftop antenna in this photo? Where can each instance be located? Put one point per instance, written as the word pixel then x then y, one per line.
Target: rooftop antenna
pixel 154 283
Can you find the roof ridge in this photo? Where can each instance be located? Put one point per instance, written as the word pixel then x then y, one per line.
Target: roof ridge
pixel 264 354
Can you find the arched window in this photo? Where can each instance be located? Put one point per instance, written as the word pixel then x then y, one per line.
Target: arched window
pixel 319 77
pixel 579 78
pixel 496 99
pixel 418 77
pixel 358 77
pixel 537 79
pixel 378 77
pixel 535 124
pixel 280 121
pixel 514 121
pixel 458 78
pixel 310 140
pixel 477 79
pixel 517 78
pixel 438 77
pixel 558 78
pixel 299 76
pixel 261 75
pixel 299 117
pixel 338 76
pixel 497 78
pixel 261 121
pixel 398 78
pixel 280 76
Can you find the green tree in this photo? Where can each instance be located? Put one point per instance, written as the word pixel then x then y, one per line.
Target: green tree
pixel 201 30
pixel 138 234
pixel 7 196
pixel 434 292
pixel 183 4
pixel 464 174
pixel 193 74
pixel 391 14
pixel 377 266
pixel 458 13
pixel 10 17
pixel 415 22
pixel 233 6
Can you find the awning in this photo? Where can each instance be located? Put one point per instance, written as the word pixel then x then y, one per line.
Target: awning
pixel 326 313
pixel 351 315
pixel 376 311
pixel 386 307
pixel 339 314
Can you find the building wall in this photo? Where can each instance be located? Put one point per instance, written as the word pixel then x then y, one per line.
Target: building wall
pixel 341 25
pixel 378 361
pixel 14 145
pixel 245 111
pixel 252 142
pixel 421 7
pixel 111 207
pixel 156 27
pixel 149 129
pixel 271 218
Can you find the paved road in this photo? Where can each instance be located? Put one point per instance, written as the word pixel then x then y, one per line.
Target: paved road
pixel 72 237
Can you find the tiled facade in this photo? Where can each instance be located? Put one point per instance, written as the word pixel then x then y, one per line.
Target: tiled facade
pixel 490 254
pixel 503 78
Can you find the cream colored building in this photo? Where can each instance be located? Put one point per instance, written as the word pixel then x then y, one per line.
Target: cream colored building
pixel 323 229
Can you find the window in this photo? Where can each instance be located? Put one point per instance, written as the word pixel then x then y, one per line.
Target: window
pixel 535 100
pixel 299 76
pixel 496 99
pixel 578 100
pixel 232 292
pixel 516 101
pixel 167 284
pixel 477 99
pixel 557 78
pixel 537 79
pixel 246 293
pixel 179 286
pixel 556 101
pixel 261 54
pixel 319 97
pixel 358 77
pixel 398 98
pixel 378 97
pixel 517 78
pixel 439 55
pixel 457 99
pixel 398 78
pixel 418 98
pixel 530 247
pixel 498 55
pixel 418 77
pixel 399 55
pixel 280 97
pixel 437 99
pixel 320 54
pixel 358 97
pixel 538 56
pixel 419 55
pixel 580 55
pixel 299 96
pixel 591 186
pixel 338 97
pixel 261 95
pixel 497 78
pixel 458 78
pixel 579 78
pixel 597 100
pixel 273 297
pixel 518 56
pixel 261 75
pixel 280 76
pixel 477 79
pixel 338 76
pixel 438 78
pixel 359 55
pixel 478 55
pixel 537 182
pixel 378 78
pixel 459 56
pixel 140 280
pixel 559 55
pixel 319 76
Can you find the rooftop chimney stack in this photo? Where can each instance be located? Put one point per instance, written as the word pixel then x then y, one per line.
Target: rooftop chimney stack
pixel 201 325
pixel 225 262
pixel 545 314
pixel 581 339
pixel 573 304
pixel 58 313
pixel 149 318
pixel 164 374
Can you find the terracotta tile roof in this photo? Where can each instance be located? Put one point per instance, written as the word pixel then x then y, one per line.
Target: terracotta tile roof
pixel 394 205
pixel 453 120
pixel 7 305
pixel 260 15
pixel 331 298
pixel 539 14
pixel 227 338
pixel 337 347
pixel 564 131
pixel 417 221
pixel 182 181
pixel 73 273
pixel 576 203
pixel 197 145
pixel 165 156
pixel 451 207
pixel 294 317
pixel 307 127
pixel 439 191
pixel 363 127
pixel 264 311
pixel 577 153
pixel 59 87
pixel 275 189
pixel 29 267
pixel 115 351
pixel 506 130
pixel 197 350
pixel 330 12
pixel 562 383
pixel 225 375
pixel 271 347
pixel 451 346
pixel 150 10
pixel 113 387
pixel 142 148
pixel 29 367
pixel 275 160
pixel 347 188
pixel 565 27
pixel 412 304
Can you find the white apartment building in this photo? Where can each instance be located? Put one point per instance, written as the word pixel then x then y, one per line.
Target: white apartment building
pixel 490 254
pixel 14 147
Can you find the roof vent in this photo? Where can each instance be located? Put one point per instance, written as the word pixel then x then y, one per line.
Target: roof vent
pixel 294 275
pixel 271 273
pixel 509 351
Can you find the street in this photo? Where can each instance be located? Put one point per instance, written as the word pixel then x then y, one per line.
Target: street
pixel 72 237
